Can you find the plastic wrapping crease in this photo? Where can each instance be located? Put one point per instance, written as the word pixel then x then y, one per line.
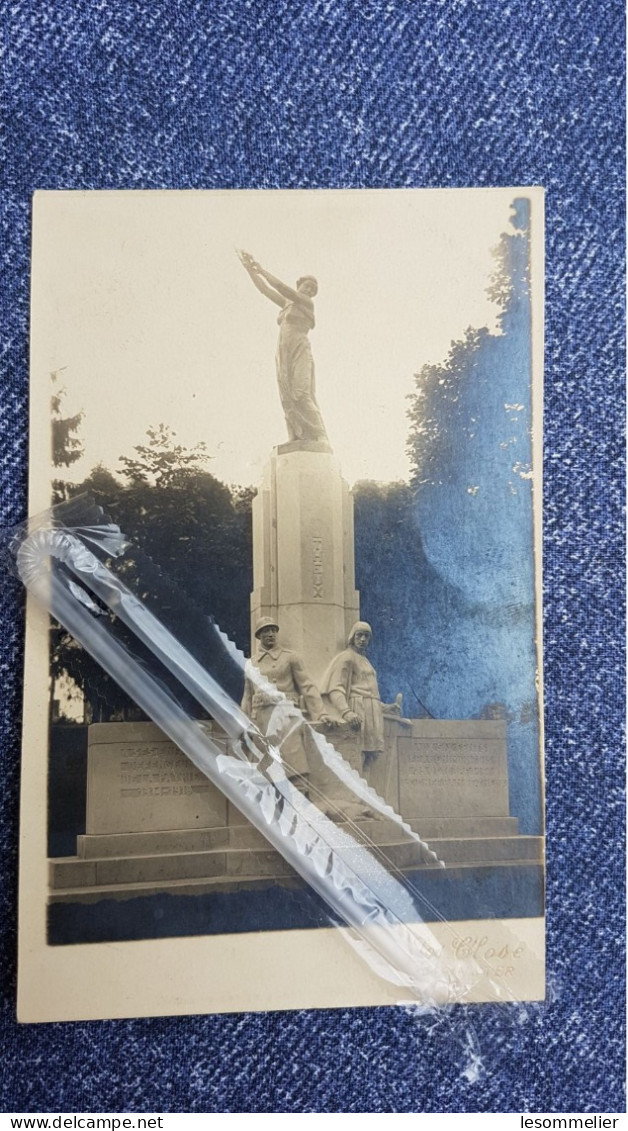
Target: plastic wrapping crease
pixel 56 557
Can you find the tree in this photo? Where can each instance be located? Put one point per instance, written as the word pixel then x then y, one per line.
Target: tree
pixel 470 450
pixel 190 557
pixel 162 462
pixel 470 445
pixel 389 552
pixel 67 448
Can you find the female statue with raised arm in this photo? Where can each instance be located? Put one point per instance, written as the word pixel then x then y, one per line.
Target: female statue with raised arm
pixel 295 364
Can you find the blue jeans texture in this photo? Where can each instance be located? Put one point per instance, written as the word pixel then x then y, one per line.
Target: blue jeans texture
pixel 362 93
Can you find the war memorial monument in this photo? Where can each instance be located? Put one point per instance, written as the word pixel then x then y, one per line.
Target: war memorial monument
pixel 156 826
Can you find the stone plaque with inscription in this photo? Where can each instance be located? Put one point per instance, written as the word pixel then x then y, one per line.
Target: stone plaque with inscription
pixel 138 781
pixel 453 768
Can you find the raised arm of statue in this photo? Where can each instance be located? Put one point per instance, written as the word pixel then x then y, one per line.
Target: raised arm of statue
pixel 255 273
pixel 294 361
pixel 289 293
pixel 278 289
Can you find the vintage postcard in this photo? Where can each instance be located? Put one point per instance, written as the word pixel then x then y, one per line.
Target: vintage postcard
pixel 318 414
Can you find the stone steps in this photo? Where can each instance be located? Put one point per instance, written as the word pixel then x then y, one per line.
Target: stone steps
pixel 245 836
pixel 454 828
pixel 161 870
pixel 227 883
pixel 186 865
pixel 173 887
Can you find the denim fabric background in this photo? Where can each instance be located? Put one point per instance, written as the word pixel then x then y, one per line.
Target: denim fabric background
pixel 202 94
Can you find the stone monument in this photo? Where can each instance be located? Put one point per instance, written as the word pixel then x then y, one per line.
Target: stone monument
pixel 155 825
pixel 303 559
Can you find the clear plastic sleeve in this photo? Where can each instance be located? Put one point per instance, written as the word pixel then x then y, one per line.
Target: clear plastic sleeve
pixel 185 675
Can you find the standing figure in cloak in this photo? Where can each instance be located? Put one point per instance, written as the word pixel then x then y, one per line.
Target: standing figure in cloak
pixel 295 364
pixel 351 685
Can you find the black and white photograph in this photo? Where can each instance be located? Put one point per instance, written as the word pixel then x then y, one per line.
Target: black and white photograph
pixel 314 419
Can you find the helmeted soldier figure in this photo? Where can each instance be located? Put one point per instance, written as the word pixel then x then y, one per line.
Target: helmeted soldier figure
pixel 277 686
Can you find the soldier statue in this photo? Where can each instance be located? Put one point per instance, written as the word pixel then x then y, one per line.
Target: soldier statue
pixel 276 685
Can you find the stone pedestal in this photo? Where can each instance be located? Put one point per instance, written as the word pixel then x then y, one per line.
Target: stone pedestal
pixel 155 825
pixel 138 781
pixel 436 770
pixel 303 558
pixel 452 768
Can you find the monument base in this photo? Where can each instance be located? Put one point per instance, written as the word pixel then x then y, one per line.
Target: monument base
pixel 156 826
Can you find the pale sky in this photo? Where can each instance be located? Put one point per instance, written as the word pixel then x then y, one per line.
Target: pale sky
pixel 140 300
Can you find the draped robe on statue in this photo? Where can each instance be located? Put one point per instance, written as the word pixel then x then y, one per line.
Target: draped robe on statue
pixel 295 375
pixel 351 683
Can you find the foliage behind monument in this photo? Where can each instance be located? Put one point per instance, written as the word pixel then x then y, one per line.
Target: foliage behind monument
pixel 195 529
pixel 443 564
pixel 461 634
